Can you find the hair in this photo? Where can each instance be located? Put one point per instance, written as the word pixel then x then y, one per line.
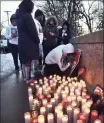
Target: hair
pixel 67 24
pixel 13 17
pixel 52 18
pixel 27 6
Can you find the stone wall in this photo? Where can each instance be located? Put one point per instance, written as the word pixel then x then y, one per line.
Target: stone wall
pixel 92 46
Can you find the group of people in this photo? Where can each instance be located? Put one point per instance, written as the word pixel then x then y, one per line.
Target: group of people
pixel 39 42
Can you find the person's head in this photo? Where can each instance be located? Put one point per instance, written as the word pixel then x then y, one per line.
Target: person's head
pixel 52 21
pixel 39 15
pixel 68 52
pixel 65 25
pixel 13 20
pixel 27 6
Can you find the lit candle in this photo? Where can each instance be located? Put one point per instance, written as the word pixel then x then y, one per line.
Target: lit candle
pixel 65 119
pixel 59 116
pixel 53 102
pixel 35 102
pixel 29 91
pixel 87 113
pixel 32 85
pixel 50 118
pixel 43 111
pixel 56 97
pixel 97 121
pixel 49 108
pixel 44 102
pixel 27 117
pixel 101 117
pixel 76 115
pixel 79 121
pixel 69 113
pixel 69 99
pixel 41 119
pixel 71 94
pixel 31 101
pixel 74 104
pixel 82 117
pixel 94 115
pixel 73 98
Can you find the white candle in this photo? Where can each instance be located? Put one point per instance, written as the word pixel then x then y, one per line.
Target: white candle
pixel 41 119
pixel 74 104
pixel 76 115
pixel 53 102
pixel 69 99
pixel 65 119
pixel 73 98
pixel 69 113
pixel 42 110
pixel 59 116
pixel 79 121
pixel 27 117
pixel 56 97
pixel 31 101
pixel 49 108
pixel 44 102
pixel 87 112
pixel 29 91
pixel 50 118
pixel 97 121
pixel 35 102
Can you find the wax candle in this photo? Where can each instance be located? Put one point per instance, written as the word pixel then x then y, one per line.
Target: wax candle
pixel 32 85
pixel 69 99
pixel 53 102
pixel 79 121
pixel 56 97
pixel 43 111
pixel 64 96
pixel 76 115
pixel 27 117
pixel 59 116
pixel 49 108
pixel 73 98
pixel 44 102
pixel 65 119
pixel 97 121
pixel 50 118
pixel 29 91
pixel 87 113
pixel 74 104
pixel 71 93
pixel 35 102
pixel 77 92
pixel 41 119
pixel 82 117
pixel 101 117
pixel 31 101
pixel 94 115
pixel 69 113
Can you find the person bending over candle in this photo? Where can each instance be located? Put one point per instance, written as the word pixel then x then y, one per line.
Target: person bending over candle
pixel 62 60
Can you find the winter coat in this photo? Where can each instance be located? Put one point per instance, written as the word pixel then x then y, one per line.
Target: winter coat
pixel 28 41
pixel 50 41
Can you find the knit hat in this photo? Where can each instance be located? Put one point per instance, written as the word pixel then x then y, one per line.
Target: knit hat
pixel 68 49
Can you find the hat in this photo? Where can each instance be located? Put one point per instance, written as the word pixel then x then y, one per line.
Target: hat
pixel 68 49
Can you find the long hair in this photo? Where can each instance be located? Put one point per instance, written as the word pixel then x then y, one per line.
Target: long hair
pixel 67 24
pixel 54 20
pixel 27 6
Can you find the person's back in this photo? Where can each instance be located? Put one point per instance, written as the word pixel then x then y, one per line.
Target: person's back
pixel 55 55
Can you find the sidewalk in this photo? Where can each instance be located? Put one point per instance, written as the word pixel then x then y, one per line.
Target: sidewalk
pixel 6 65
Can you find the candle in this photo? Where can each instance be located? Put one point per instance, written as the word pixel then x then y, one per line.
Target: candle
pixel 69 113
pixel 35 102
pixel 82 117
pixel 76 115
pixel 65 119
pixel 87 112
pixel 42 110
pixel 31 101
pixel 44 102
pixel 49 108
pixel 50 118
pixel 79 121
pixel 69 99
pixel 59 116
pixel 74 104
pixel 27 117
pixel 56 99
pixel 94 115
pixel 41 119
pixel 53 103
pixel 97 121
pixel 73 98
pixel 101 117
pixel 32 85
pixel 29 91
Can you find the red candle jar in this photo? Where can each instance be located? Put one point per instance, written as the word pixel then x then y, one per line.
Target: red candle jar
pixel 94 115
pixel 82 117
pixel 101 117
pixel 34 120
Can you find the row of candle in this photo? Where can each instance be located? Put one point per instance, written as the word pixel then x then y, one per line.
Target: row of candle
pixel 70 102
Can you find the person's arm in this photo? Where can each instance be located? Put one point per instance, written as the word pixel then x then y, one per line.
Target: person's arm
pixel 32 31
pixel 8 33
pixel 62 68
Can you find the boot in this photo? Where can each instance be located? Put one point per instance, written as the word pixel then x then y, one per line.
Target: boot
pixel 26 72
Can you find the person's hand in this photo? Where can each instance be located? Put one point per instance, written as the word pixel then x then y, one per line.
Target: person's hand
pixel 52 34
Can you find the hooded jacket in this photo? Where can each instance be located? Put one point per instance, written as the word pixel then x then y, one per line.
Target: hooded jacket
pixel 50 40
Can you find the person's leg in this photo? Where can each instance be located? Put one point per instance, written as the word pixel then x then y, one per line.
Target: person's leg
pixel 14 51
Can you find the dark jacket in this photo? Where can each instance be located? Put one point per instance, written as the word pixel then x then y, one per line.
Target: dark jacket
pixel 28 37
pixel 65 38
pixel 50 41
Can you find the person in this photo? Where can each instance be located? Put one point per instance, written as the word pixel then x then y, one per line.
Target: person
pixel 50 35
pixel 11 35
pixel 40 22
pixel 62 60
pixel 28 37
pixel 64 34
